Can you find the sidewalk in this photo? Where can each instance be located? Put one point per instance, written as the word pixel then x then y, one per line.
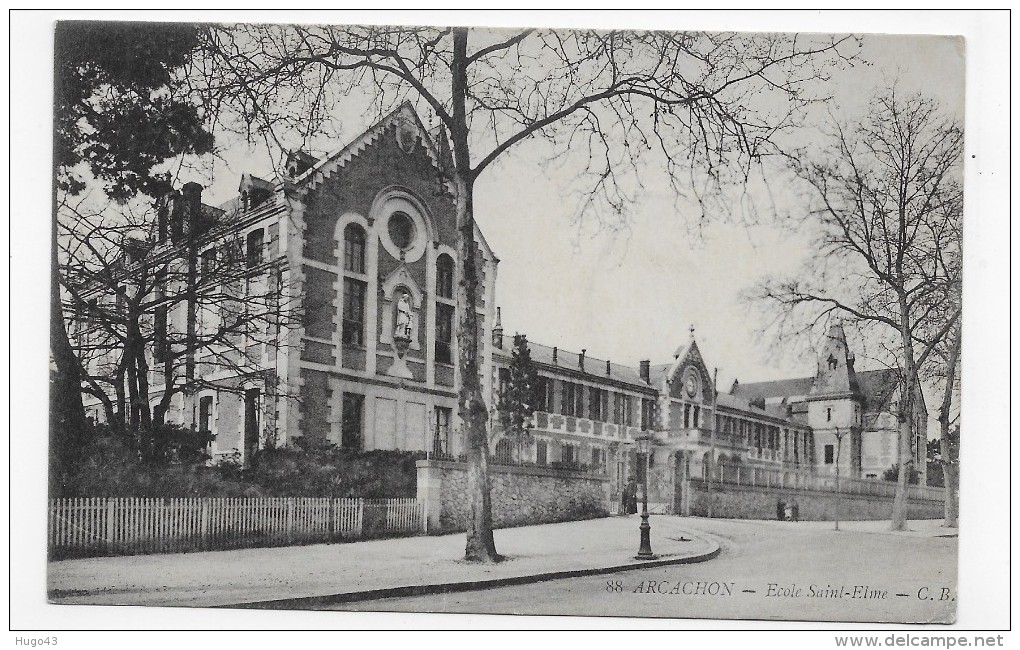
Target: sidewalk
pixel 297 576
pixel 915 527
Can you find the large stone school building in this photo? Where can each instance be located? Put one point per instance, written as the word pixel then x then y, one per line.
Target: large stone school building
pixel 364 239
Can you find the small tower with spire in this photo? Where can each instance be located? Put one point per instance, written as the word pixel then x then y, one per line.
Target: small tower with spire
pixel 835 404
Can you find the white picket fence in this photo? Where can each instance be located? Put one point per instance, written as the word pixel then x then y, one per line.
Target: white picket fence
pixel 107 526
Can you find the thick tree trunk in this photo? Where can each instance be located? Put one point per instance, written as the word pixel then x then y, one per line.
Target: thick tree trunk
pixel 950 464
pixel 68 426
pixel 480 545
pixel 908 387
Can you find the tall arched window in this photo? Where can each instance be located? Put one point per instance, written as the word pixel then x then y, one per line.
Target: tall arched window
pixel 354 248
pixel 444 276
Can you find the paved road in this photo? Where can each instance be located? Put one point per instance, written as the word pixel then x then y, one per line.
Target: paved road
pixel 767 570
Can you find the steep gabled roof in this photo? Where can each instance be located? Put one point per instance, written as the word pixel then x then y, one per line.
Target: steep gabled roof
pixel 877 387
pixel 340 157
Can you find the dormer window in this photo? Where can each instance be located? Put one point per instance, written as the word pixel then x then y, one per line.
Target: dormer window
pixel 254 191
pixel 833 362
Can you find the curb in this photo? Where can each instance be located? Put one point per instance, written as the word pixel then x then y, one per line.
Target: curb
pixel 308 602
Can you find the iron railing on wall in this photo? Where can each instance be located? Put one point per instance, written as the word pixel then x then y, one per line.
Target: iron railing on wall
pixel 128 526
pixel 751 476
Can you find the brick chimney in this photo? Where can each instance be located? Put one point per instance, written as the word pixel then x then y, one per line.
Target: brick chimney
pixel 580 359
pixel 609 369
pixel 645 370
pixel 555 350
pixel 193 207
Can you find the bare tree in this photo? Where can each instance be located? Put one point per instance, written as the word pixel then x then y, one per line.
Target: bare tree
pixel 146 312
pixel 690 105
pixel 886 195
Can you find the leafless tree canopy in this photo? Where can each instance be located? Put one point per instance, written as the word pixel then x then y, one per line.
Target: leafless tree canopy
pixel 887 199
pixel 701 109
pixel 127 295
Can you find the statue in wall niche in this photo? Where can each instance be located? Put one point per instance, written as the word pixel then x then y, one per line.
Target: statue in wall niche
pixel 402 330
pixel 401 337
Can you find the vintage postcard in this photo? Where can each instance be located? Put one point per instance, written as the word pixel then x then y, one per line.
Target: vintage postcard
pixel 540 321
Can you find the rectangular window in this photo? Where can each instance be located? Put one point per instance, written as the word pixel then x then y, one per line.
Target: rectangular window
pixel 354 312
pixel 598 457
pixel 252 407
pixel 504 380
pixel 568 453
pixel 542 452
pixel 579 393
pixel 444 277
pixel 829 454
pixel 623 410
pixel 697 416
pixel 647 414
pixel 207 262
pixel 568 394
pixel 687 416
pixel 254 248
pixel 594 403
pixel 205 413
pixel 351 418
pixel 441 439
pixel 444 333
pixel 354 249
pixel 541 396
pixel 160 348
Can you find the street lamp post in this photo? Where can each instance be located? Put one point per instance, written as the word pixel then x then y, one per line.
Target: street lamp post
pixel 645 551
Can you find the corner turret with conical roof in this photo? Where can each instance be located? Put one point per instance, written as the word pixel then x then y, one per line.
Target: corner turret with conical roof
pixel 834 406
pixel 835 375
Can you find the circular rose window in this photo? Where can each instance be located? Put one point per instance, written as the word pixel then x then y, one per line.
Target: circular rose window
pixel 401 230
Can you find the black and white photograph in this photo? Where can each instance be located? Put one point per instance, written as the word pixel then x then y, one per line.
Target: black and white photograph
pixel 401 321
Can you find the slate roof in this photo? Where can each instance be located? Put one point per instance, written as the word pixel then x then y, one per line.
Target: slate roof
pixel 568 361
pixel 877 386
pixel 658 372
pixel 798 387
pixel 740 403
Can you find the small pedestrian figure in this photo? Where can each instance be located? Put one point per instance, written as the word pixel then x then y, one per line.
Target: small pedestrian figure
pixel 796 511
pixel 789 512
pixel 631 496
pixel 780 510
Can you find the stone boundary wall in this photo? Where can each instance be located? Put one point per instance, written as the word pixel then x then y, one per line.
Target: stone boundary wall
pixel 520 495
pixel 747 502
